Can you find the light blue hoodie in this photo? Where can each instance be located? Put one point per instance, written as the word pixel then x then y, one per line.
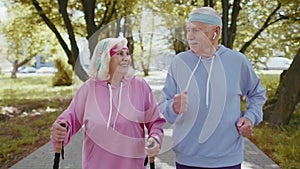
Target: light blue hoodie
pixel 206 135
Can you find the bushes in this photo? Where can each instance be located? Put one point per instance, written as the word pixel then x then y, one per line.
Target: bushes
pixel 63 76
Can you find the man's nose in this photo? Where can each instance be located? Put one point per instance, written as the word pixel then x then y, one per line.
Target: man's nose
pixel 190 36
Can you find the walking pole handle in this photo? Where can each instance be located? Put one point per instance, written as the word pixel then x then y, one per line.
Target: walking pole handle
pixel 152 164
pixel 58 147
pixel 152 159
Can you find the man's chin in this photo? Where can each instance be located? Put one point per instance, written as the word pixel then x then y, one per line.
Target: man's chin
pixel 202 52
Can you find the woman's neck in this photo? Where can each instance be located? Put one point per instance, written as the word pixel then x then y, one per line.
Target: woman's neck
pixel 116 79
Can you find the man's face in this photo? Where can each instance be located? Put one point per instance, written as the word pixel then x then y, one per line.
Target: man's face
pixel 199 37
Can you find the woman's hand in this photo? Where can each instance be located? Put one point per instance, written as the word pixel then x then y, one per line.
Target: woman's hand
pixel 152 147
pixel 58 132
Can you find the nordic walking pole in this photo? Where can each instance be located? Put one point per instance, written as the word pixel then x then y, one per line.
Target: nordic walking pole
pixel 58 151
pixel 152 164
pixel 152 159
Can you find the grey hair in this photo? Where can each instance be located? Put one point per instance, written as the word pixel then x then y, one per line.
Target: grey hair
pixel 102 52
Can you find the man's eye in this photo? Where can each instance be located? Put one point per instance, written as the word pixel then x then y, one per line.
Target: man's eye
pixel 196 30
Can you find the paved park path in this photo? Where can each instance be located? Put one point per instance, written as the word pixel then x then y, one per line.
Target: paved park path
pixel 43 157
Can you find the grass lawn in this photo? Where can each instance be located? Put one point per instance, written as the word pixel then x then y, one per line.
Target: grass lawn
pixel 31 105
pixel 35 104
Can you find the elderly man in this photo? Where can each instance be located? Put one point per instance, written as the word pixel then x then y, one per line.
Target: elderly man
pixel 202 94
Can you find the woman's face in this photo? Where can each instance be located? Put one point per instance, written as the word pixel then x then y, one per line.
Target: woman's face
pixel 120 61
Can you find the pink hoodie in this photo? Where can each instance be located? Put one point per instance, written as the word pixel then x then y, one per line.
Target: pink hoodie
pixel 114 139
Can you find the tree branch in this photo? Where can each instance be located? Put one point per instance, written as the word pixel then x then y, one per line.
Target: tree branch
pixel 51 26
pixel 73 59
pixel 65 16
pixel 265 25
pixel 107 16
pixel 225 8
pixel 233 25
pixel 89 15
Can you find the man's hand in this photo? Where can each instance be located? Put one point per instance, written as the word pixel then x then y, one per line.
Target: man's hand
pixel 244 126
pixel 180 102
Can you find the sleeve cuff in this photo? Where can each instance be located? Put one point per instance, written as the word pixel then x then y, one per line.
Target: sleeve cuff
pixel 252 118
pixel 171 112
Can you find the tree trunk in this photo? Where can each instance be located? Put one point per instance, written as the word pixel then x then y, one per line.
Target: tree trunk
pixel 288 94
pixel 14 70
pixel 16 66
pixel 127 31
pixel 212 3
pixel 232 29
pixel 205 2
pixel 73 59
pixel 225 7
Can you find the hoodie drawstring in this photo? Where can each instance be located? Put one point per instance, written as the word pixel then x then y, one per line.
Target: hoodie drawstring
pixel 193 72
pixel 110 105
pixel 208 79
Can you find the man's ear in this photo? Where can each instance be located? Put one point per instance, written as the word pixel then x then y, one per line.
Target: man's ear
pixel 215 34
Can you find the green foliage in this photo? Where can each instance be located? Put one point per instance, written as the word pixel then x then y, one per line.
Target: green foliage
pixel 270 82
pixel 25 34
pixel 281 144
pixel 63 76
pixel 279 35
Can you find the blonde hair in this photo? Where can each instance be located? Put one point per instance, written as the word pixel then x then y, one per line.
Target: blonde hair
pixel 99 66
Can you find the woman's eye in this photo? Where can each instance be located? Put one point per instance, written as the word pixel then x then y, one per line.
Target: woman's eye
pixel 121 53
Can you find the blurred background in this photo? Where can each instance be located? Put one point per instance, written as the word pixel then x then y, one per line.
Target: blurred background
pixel 46 45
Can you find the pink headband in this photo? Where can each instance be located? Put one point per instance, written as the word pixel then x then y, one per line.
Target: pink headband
pixel 114 50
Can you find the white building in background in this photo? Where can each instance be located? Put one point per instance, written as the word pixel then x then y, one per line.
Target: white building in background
pixel 5 65
pixel 3 12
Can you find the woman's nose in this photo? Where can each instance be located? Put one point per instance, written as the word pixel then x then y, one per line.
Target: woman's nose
pixel 125 56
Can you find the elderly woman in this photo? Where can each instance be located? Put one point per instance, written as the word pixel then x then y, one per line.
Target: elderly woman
pixel 115 107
